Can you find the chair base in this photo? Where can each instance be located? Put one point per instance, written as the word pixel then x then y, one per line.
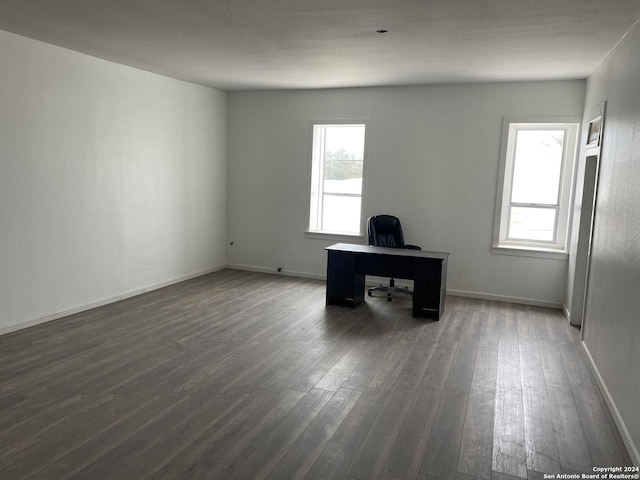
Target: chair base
pixel 390 290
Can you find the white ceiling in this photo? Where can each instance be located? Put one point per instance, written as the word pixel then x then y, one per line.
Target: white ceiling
pixel 267 44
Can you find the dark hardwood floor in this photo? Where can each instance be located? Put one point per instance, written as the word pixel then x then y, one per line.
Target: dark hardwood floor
pixel 239 375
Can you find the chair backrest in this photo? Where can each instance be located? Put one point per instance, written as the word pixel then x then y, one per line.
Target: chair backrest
pixel 385 231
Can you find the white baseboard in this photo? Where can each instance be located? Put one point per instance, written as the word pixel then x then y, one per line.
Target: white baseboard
pixel 615 413
pixel 504 298
pixel 373 280
pixel 102 302
pixel 290 273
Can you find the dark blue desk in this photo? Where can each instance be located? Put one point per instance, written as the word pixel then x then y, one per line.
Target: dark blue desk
pixel 348 264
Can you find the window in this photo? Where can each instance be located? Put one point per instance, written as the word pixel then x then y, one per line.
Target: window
pixel 534 190
pixel 337 178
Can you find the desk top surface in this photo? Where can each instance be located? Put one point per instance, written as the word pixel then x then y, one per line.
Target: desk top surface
pixel 370 249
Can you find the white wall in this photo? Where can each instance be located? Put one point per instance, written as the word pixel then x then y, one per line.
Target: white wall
pixel 611 328
pixel 433 161
pixel 112 181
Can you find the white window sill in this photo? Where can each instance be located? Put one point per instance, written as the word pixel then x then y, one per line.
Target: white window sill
pixel 538 252
pixel 338 237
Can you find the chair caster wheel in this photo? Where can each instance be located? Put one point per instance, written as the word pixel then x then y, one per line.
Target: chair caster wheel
pixel 388 298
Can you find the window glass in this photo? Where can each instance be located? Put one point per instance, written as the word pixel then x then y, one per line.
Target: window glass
pixel 530 223
pixel 340 214
pixel 344 142
pixel 537 166
pixel 337 178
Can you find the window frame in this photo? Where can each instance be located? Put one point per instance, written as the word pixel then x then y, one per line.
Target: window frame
pixel 315 180
pixel 558 247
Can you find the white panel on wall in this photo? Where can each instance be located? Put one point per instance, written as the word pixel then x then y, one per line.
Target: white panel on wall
pixel 112 181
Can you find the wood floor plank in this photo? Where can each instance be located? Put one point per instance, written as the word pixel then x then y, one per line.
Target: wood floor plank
pixel 11 406
pixel 600 434
pixel 128 370
pixel 574 365
pixel 22 433
pixel 107 440
pixel 508 372
pixel 335 458
pixel 405 458
pixel 557 322
pixel 462 366
pixel 474 329
pixel 170 438
pixel 544 325
pixel 307 447
pixel 458 323
pixel 415 367
pixel 303 357
pixel 342 369
pixel 114 452
pixel 552 364
pixel 477 434
pixel 371 457
pixel 41 450
pixel 96 362
pixel 263 369
pixel 393 364
pixel 210 449
pixel 222 461
pixel 244 374
pixel 338 345
pixel 572 444
pixel 509 450
pixel 231 358
pixel 437 371
pixel 531 370
pixel 485 368
pixel 525 324
pixel 443 448
pixel 44 365
pixel 508 330
pixel 262 460
pixel 541 447
pixel 359 378
pixel 490 321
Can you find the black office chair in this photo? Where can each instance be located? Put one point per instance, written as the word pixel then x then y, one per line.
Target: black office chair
pixel 386 231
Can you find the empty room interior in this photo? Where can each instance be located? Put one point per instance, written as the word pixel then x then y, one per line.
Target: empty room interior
pixel 176 176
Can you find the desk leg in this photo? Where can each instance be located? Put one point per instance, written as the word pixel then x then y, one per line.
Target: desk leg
pixel 428 287
pixel 344 286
